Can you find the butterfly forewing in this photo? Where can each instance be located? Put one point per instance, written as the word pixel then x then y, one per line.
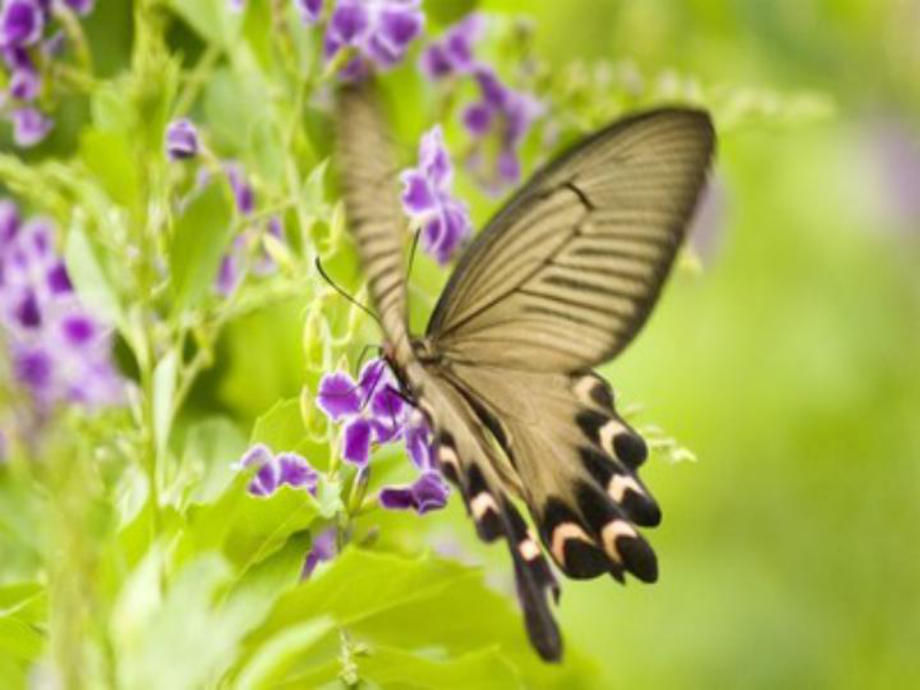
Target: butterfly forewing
pixel 567 273
pixel 370 186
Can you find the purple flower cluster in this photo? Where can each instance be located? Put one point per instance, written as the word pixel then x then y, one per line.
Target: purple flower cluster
pixel 233 266
pixel 373 411
pixel 500 113
pixel 452 54
pixel 24 47
pixel 427 199
pixel 274 471
pixel 378 31
pixel 58 351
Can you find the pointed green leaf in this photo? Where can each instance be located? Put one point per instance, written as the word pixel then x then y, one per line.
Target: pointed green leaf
pixel 90 280
pixel 200 238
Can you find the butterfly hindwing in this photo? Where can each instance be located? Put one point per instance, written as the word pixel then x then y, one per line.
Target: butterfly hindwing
pixel 471 461
pixel 576 460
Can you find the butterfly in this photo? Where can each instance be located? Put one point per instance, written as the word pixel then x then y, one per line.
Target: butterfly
pixel 559 282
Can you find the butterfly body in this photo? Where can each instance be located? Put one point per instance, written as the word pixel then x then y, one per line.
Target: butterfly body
pixel 559 282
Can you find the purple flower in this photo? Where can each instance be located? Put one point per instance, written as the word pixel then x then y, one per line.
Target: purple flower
pixel 233 264
pixel 380 31
pixel 30 127
pixel 323 549
pixel 230 272
pixel 452 53
pixel 505 114
pixel 428 492
pixel 21 22
pixel 24 77
pixel 59 352
pixel 81 7
pixel 273 471
pixel 427 199
pixel 9 226
pixel 309 10
pixel 370 408
pixel 236 6
pixel 34 368
pixel 242 190
pixel 181 140
pixel 264 264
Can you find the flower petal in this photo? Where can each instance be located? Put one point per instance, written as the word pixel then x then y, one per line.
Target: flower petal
pixel 295 471
pixel 181 140
pixel 387 403
pixel 259 454
pixel 374 375
pixel 430 492
pixel 357 446
pixel 338 396
pixel 477 118
pixel 397 498
pixel 418 446
pixel 417 197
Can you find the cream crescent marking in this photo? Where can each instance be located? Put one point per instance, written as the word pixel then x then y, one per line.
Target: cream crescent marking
pixel 613 531
pixel 564 532
pixel 481 504
pixel 620 484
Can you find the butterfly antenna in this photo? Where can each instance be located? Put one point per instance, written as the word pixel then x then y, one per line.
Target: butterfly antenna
pixel 332 284
pixel 364 350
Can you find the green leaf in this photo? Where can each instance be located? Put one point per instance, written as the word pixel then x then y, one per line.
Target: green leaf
pixel 469 616
pixel 263 525
pixel 110 111
pixel 258 33
pixel 361 584
pixel 281 428
pixel 267 151
pixel 211 448
pixel 26 600
pixel 211 19
pixel 199 241
pixel 183 642
pixel 481 670
pixel 233 103
pixel 109 157
pixel 19 639
pixel 89 278
pixel 250 528
pixel 269 665
pixel 164 388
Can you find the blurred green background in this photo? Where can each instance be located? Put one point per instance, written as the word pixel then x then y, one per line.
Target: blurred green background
pixel 790 553
pixel 791 366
